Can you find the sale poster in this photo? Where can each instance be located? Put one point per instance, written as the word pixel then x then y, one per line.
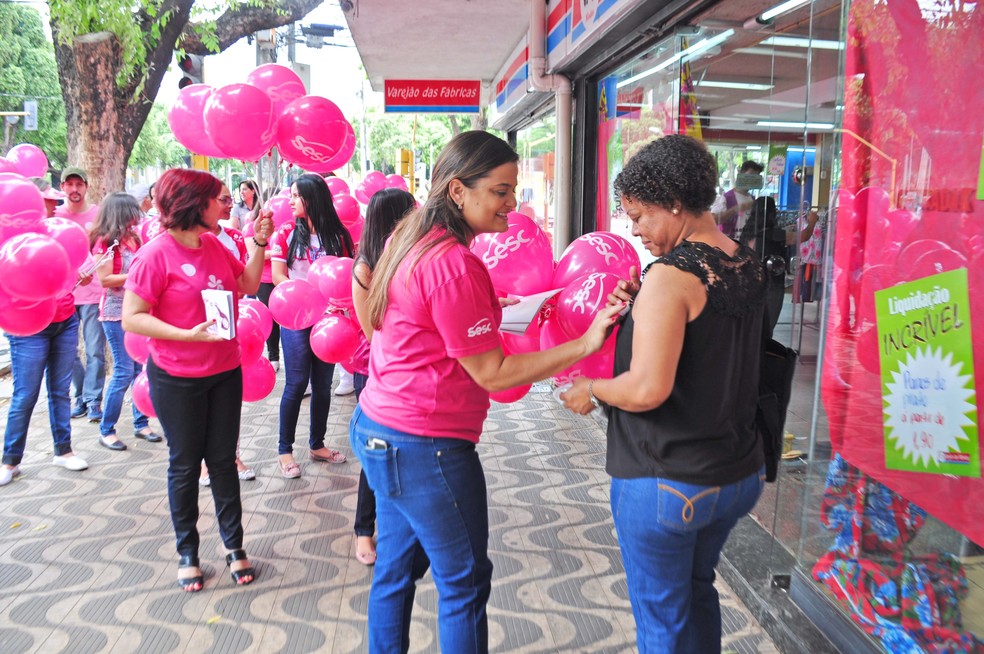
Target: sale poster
pixel 927 371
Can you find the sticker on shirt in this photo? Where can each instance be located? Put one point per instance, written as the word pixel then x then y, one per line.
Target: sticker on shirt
pixel 215 282
pixel 482 327
pixel 188 269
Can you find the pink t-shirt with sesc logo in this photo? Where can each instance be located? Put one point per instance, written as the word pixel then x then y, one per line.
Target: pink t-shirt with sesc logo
pixel 446 310
pixel 171 278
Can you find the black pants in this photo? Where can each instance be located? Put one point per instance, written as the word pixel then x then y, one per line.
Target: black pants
pixel 273 343
pixel 200 417
pixel 365 505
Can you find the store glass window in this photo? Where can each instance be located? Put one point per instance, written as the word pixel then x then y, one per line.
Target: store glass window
pixel 535 145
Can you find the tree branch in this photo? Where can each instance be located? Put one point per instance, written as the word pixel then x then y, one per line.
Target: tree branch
pixel 234 24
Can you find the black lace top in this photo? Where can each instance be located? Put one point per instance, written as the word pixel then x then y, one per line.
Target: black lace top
pixel 704 432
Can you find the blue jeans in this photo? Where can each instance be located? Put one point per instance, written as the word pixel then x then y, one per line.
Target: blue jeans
pixel 671 535
pixel 301 366
pixel 431 505
pixel 50 354
pixel 365 504
pixel 88 379
pixel 200 418
pixel 125 370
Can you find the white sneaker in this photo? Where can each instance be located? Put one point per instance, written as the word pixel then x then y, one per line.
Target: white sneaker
pixel 276 365
pixel 307 391
pixel 7 474
pixel 70 462
pixel 345 386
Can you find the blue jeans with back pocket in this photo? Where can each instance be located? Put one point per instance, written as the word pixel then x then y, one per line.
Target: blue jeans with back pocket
pixel 431 508
pixel 671 535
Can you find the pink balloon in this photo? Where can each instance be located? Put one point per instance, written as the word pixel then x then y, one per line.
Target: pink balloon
pixel 334 338
pixel 21 208
pixel 337 186
pixel 374 181
pixel 347 209
pixel 355 230
pixel 344 153
pixel 186 119
pixel 251 342
pixel 582 299
pixel 396 181
pixel 596 252
pixel 29 160
pixel 362 193
pixel 297 304
pixel 282 213
pixel 259 378
pixel 520 260
pixel 25 317
pixel 239 120
pixel 7 166
pixel 71 236
pixel 141 393
pixel 34 267
pixel 280 83
pixel 310 132
pixel 137 346
pixel 319 269
pixel 335 283
pixel 259 312
pixel 523 343
pixel 510 395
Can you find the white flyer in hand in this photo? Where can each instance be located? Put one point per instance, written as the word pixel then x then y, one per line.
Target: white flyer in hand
pixel 219 307
pixel 516 318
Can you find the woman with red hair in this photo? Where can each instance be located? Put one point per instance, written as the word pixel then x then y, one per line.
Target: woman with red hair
pixel 195 376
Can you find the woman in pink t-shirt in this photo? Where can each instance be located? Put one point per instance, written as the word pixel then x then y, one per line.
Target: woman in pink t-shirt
pixel 119 215
pixel 315 232
pixel 436 356
pixel 196 381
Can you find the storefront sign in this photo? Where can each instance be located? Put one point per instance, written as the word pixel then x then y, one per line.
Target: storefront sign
pixel 927 370
pixel 433 96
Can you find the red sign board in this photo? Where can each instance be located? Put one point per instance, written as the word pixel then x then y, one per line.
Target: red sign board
pixel 433 96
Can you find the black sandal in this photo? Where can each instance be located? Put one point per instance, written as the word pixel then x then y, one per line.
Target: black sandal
pixel 238 575
pixel 188 583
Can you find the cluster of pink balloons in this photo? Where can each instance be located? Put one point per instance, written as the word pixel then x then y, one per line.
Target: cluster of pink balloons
pixel 520 262
pixel 39 257
pixel 375 181
pixel 253 327
pixel 245 120
pixel 320 302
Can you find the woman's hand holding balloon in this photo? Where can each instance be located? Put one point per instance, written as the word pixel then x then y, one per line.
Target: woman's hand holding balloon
pixel 263 226
pixel 601 326
pixel 626 289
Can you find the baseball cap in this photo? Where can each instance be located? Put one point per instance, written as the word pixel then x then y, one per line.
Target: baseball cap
pixel 76 171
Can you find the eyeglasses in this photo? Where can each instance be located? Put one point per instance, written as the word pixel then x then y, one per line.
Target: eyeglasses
pixel 224 199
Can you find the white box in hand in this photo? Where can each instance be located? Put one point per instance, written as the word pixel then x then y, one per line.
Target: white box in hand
pixel 219 307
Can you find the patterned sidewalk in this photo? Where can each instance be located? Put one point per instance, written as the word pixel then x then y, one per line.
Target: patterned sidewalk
pixel 87 559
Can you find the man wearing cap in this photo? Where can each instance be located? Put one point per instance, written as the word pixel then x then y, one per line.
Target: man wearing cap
pixel 88 379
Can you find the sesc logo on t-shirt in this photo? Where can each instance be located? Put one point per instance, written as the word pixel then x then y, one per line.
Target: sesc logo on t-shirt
pixel 483 326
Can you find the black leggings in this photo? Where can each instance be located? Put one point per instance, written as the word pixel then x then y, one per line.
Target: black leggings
pixel 200 417
pixel 273 343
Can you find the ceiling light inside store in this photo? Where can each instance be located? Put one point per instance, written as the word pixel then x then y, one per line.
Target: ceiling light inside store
pixel 794 125
pixel 771 52
pixel 743 86
pixel 803 42
pixel 768 15
pixel 686 55
pixel 774 103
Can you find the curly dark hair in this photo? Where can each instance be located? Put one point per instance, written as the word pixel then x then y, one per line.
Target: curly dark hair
pixel 673 169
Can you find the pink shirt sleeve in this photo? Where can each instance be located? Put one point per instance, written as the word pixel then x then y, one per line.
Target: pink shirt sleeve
pixel 464 315
pixel 280 241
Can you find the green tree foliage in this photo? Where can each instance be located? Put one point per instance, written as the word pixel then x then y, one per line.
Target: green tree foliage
pixel 28 71
pixel 156 145
pixel 388 132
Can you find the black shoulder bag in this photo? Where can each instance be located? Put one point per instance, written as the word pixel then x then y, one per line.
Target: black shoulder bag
pixel 777 365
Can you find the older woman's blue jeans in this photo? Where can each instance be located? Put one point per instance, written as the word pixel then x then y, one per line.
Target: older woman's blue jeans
pixel 125 370
pixel 301 366
pixel 431 505
pixel 671 535
pixel 48 354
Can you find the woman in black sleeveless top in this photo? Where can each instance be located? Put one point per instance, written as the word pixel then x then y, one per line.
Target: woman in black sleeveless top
pixel 683 454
